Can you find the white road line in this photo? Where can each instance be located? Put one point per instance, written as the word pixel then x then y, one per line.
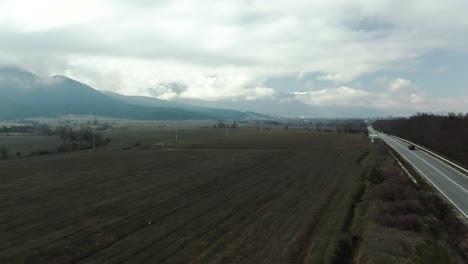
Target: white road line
pixel 454 204
pixel 432 153
pixel 450 179
pixel 441 162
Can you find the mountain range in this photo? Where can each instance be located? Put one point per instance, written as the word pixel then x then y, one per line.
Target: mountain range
pixel 24 95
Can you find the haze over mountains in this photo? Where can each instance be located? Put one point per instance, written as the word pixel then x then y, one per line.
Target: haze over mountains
pixel 24 94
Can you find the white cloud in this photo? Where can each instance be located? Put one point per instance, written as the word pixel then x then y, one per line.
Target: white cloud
pixel 159 79
pixel 400 84
pixel 131 46
pixel 411 100
pixel 341 96
pixel 337 78
pixel 169 91
pixel 225 88
pixel 396 84
pixel 34 16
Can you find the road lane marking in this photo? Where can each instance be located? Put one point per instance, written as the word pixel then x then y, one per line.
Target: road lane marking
pixel 422 173
pixel 441 162
pixel 446 176
pixel 434 154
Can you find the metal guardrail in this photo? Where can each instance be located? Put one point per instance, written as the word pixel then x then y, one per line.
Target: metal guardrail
pixel 428 179
pixel 434 154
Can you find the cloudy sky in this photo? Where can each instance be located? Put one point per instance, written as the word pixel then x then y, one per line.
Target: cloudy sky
pixel 406 55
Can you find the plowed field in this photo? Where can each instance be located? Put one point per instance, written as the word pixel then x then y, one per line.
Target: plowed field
pixel 282 201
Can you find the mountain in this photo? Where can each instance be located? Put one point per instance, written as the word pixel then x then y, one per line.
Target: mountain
pixel 219 113
pixel 23 95
pixel 145 100
pixel 283 106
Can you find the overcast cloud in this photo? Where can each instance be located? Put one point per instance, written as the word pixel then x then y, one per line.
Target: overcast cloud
pixel 227 50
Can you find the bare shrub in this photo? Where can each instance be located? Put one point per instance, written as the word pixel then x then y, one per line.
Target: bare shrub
pixel 410 222
pixel 62 148
pixel 394 174
pixel 393 192
pixel 396 178
pixel 403 208
pixel 4 151
pixel 375 176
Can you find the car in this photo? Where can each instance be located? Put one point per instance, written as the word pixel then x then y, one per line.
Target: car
pixel 411 147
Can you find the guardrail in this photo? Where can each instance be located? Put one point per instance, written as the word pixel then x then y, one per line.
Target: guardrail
pixel 434 154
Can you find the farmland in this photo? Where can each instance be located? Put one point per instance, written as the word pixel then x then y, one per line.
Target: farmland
pixel 253 196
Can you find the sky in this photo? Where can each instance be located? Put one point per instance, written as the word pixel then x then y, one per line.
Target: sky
pixel 393 56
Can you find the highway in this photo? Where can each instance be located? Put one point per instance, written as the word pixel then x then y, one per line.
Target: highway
pixel 449 181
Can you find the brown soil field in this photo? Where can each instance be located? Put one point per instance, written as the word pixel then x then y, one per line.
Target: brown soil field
pixel 277 197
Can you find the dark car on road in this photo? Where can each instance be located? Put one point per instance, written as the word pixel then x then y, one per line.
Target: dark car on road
pixel 411 147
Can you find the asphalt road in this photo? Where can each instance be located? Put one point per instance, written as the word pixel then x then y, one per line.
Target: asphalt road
pixel 449 181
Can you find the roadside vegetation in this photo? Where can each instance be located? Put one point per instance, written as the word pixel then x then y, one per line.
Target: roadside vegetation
pixel 446 134
pixel 398 221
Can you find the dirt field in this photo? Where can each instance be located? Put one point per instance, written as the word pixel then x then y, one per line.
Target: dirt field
pixel 278 197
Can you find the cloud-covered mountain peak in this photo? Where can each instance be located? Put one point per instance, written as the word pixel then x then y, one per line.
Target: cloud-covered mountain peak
pixel 13 74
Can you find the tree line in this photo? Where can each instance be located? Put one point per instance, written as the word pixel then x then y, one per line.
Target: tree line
pixel 73 138
pixel 28 129
pixel 81 138
pixel 446 134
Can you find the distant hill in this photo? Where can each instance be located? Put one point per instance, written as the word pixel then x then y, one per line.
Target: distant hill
pixel 219 113
pixel 23 95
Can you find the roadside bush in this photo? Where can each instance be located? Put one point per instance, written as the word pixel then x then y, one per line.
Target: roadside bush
pixel 40 152
pixel 433 249
pixel 4 151
pixel 62 148
pixel 399 202
pixel 145 147
pixel 43 152
pixel 375 176
pixel 390 192
pixel 395 177
pixel 408 222
pixel 18 154
pixel 345 249
pixel 343 253
pixel 402 208
pixel 399 205
pixel 362 157
pixel 407 207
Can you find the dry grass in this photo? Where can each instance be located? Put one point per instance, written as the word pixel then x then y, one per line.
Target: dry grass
pixel 269 197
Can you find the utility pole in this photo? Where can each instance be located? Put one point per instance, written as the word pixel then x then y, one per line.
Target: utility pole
pixel 177 129
pixel 92 131
pixel 94 139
